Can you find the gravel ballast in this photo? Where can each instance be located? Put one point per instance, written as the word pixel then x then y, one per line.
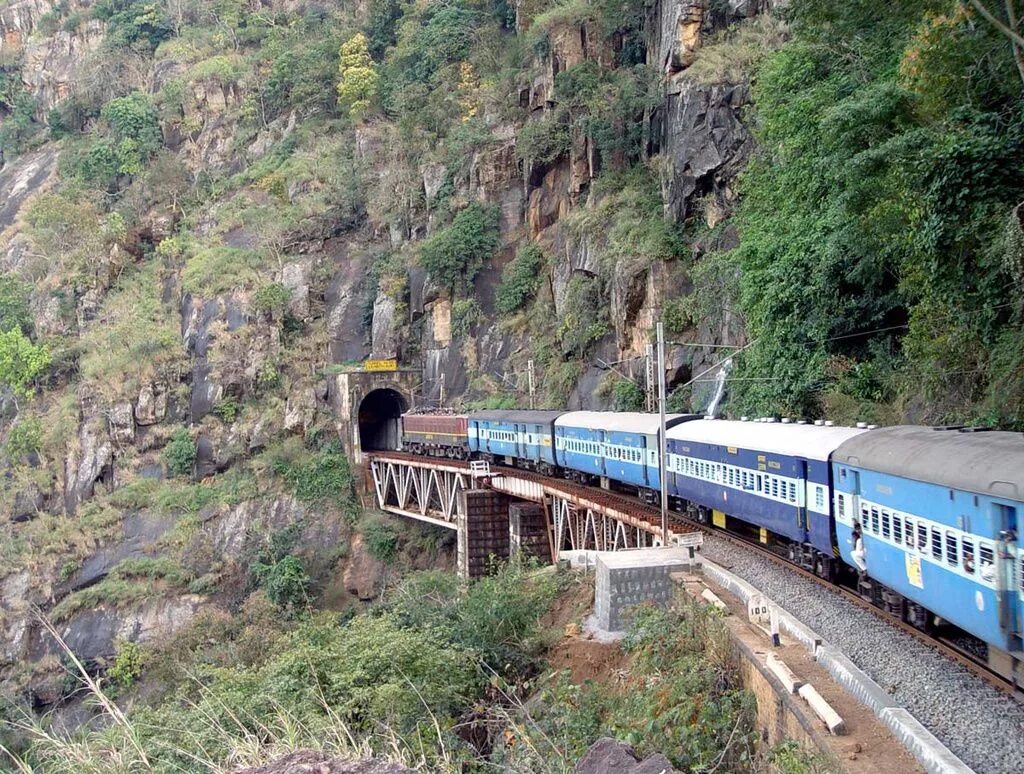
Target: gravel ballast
pixel 977 722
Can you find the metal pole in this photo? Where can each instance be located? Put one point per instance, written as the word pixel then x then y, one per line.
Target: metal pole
pixel 661 435
pixel 649 379
pixel 529 379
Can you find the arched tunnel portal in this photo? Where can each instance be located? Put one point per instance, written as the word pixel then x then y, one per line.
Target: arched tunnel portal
pixel 379 413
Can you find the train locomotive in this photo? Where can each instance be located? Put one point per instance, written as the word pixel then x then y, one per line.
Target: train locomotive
pixel 922 520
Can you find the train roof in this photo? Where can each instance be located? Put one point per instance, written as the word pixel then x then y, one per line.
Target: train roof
pixel 989 462
pixel 530 416
pixel 620 421
pixel 811 442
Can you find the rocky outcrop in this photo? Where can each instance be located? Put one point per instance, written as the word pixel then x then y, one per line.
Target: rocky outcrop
pixel 607 756
pixel 91 460
pixel 19 179
pixel 705 144
pixel 363 572
pixel 51 63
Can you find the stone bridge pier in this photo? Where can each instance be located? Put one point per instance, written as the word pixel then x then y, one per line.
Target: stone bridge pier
pixel 367 406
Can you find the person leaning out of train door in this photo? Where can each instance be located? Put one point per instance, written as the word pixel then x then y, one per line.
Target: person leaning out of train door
pixel 858 548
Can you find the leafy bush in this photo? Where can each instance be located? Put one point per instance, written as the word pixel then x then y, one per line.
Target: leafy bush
pixel 521 279
pixel 498 617
pixel 584 317
pixel 678 314
pixel 543 140
pixel 128 663
pixel 454 255
pixel 227 410
pixel 22 363
pixel 24 437
pixel 273 297
pixel 381 541
pixel 318 477
pixel 180 453
pixel 285 581
pixel 628 395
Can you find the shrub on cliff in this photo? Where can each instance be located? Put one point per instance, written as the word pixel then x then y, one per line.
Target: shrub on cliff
pixel 521 279
pixel 180 453
pixel 455 254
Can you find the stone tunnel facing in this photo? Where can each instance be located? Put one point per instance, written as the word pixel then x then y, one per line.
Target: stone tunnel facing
pixel 379 414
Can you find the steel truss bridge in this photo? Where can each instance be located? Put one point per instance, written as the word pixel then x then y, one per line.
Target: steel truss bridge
pixel 579 518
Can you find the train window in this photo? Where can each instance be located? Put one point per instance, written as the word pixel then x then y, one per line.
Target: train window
pixel 841 506
pixel 986 559
pixel 874 520
pixel 951 549
pixel 897 529
pixel 775 487
pixel 885 524
pixel 922 538
pixel 968 555
pixel 936 544
pixel 909 524
pixel 819 497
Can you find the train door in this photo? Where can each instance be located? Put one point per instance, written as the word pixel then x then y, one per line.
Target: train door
pixel 1009 570
pixel 802 508
pixel 520 432
pixel 644 440
pixel 855 496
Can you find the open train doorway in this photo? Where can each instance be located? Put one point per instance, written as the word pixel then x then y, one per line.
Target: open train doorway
pixel 379 413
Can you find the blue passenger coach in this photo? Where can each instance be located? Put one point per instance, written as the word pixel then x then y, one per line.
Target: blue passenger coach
pixel 523 437
pixel 772 475
pixel 619 445
pixel 938 510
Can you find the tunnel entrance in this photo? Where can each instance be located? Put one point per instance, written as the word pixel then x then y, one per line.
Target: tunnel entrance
pixel 379 414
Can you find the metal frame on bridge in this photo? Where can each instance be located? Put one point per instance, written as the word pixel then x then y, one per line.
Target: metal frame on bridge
pixel 427 489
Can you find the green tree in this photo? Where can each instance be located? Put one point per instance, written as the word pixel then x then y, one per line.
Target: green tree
pixel 357 85
pixel 455 254
pixel 21 361
pixel 14 309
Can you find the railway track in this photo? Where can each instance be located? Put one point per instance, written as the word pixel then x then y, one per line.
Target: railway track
pixel 679 523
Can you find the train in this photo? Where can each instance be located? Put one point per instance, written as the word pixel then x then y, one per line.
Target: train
pixel 922 520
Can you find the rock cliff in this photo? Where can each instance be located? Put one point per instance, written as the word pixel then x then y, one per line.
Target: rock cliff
pixel 232 256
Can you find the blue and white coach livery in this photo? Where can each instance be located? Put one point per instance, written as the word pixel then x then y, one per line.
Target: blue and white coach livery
pixel 524 438
pixel 774 476
pixel 937 510
pixel 619 445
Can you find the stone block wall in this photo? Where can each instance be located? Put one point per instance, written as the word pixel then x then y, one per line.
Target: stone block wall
pixel 483 531
pixel 619 588
pixel 528 531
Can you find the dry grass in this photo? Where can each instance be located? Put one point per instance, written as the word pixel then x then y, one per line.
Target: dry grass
pixel 730 55
pixel 121 746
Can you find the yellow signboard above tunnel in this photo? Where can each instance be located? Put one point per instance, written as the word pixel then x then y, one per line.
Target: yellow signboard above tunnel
pixel 380 365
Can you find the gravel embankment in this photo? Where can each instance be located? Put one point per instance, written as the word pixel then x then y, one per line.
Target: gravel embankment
pixel 981 725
